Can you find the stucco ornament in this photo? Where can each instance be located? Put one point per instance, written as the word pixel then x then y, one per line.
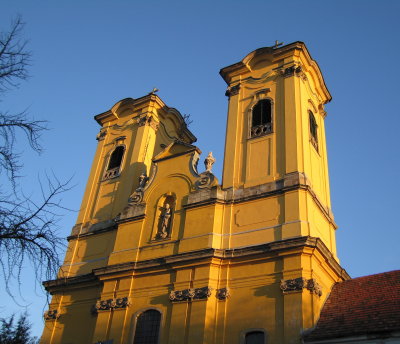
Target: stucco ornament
pixel 137 195
pixel 209 161
pixel 101 135
pixel 298 284
pixel 223 294
pixel 190 294
pixel 51 314
pixel 110 304
pixel 207 178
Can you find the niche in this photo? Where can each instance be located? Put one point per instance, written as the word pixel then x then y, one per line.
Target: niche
pixel 164 217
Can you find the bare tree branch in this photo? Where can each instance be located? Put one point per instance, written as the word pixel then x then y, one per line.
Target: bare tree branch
pixel 14 57
pixel 28 224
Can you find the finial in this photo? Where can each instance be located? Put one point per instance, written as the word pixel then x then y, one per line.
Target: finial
pixel 277 44
pixel 154 90
pixel 209 161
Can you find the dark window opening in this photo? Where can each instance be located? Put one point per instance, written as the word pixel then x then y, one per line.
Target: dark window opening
pixel 255 337
pixel 147 327
pixel 261 121
pixel 116 158
pixel 313 130
pixel 114 163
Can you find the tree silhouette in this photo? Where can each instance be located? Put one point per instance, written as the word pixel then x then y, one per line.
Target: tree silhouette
pixel 19 333
pixel 28 228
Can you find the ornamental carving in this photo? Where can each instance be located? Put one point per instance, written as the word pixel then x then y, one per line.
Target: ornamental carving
pixel 222 294
pixel 294 70
pixel 298 284
pixel 190 294
pixel 110 304
pixel 101 135
pixel 206 180
pixel 232 90
pixel 147 120
pixel 314 287
pixel 208 162
pixel 137 195
pixel 51 314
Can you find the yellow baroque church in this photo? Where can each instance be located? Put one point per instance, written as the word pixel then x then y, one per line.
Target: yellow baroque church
pixel 163 252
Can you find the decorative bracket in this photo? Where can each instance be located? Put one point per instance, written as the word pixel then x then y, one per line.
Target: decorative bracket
pixel 232 90
pixel 147 120
pixel 222 294
pixel 101 135
pixel 190 294
pixel 110 304
pixel 298 284
pixel 51 314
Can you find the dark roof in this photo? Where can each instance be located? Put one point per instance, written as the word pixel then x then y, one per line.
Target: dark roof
pixel 364 305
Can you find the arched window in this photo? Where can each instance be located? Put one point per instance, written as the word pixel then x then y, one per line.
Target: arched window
pixel 147 327
pixel 255 337
pixel 114 164
pixel 313 130
pixel 261 118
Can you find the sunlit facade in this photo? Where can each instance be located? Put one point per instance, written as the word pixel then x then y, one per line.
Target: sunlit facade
pixel 163 252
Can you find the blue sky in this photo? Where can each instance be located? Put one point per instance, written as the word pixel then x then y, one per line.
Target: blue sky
pixel 87 55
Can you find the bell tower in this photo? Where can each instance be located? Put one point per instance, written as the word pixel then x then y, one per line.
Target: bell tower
pixel 275 136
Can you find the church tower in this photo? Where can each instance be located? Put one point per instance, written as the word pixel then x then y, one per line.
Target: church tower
pixel 164 253
pixel 275 140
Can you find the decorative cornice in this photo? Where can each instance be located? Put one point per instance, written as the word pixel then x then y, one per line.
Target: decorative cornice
pixel 190 294
pixel 53 286
pixel 201 257
pixel 298 284
pixel 290 182
pixel 111 304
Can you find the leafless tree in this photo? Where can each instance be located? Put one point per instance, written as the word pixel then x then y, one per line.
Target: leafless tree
pixel 28 225
pixel 14 57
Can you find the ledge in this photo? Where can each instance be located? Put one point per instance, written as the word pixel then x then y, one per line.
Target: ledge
pixel 202 256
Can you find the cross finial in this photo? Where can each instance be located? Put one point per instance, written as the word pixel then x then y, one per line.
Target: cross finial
pixel 277 44
pixel 154 90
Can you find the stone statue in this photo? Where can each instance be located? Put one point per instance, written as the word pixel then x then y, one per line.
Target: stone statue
pixel 142 180
pixel 165 219
pixel 209 161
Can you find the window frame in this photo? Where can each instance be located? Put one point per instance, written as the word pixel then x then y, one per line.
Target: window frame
pixel 313 139
pixel 250 117
pixel 116 171
pixel 135 318
pixel 249 330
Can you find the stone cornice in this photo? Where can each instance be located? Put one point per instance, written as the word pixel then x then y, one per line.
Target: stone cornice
pixel 203 256
pixel 70 282
pixel 290 182
pixel 216 195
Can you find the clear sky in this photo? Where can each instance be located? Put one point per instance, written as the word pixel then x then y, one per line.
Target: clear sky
pixel 87 55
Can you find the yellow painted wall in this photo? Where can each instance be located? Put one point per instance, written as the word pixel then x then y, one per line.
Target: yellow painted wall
pixel 269 221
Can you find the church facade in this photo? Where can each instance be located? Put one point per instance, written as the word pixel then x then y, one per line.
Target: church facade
pixel 163 252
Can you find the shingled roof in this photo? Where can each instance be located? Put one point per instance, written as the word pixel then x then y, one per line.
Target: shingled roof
pixel 360 306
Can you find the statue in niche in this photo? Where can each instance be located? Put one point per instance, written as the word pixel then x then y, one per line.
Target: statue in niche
pixel 164 222
pixel 208 162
